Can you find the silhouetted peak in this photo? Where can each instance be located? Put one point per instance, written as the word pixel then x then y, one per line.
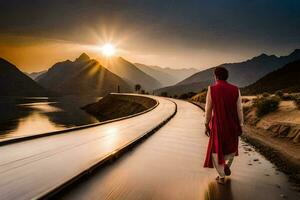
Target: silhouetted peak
pixel 122 60
pixel 82 57
pixel 263 56
pixel 296 52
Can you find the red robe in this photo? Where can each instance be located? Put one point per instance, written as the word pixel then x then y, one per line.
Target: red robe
pixel 224 124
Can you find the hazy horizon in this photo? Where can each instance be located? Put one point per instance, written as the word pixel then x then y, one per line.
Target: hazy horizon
pixel 175 34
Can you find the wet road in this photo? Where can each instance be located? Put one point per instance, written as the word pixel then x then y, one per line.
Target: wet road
pixel 168 165
pixel 31 168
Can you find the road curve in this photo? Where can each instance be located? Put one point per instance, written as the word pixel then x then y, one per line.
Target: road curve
pixel 32 168
pixel 168 165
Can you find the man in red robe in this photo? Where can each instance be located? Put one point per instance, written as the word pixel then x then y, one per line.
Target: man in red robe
pixel 223 122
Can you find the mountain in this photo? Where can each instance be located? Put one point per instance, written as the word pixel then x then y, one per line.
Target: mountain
pixel 241 74
pixel 82 76
pixel 166 76
pixel 247 72
pixel 182 89
pixel 13 82
pixel 35 75
pixel 132 74
pixel 286 78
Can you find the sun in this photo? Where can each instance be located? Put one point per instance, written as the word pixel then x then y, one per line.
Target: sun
pixel 108 50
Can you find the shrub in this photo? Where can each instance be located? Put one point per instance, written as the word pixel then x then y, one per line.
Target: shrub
pixel 201 97
pixel 187 95
pixel 265 94
pixel 266 105
pixel 164 94
pixel 279 93
pixel 245 100
pixel 246 109
pixel 297 102
pixel 204 90
pixel 288 97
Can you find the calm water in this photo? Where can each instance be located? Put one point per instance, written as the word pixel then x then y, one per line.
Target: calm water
pixel 27 116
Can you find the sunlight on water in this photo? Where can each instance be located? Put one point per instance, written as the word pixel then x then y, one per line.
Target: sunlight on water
pixel 37 121
pixel 42 107
pixel 29 116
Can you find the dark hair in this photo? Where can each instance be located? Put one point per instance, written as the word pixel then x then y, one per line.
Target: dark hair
pixel 221 73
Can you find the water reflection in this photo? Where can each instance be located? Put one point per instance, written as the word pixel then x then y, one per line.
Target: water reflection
pixel 27 116
pixel 216 191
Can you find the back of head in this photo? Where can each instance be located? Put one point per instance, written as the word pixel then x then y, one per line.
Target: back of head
pixel 221 73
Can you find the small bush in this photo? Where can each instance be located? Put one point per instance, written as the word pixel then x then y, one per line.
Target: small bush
pixel 201 97
pixel 297 102
pixel 187 95
pixel 288 97
pixel 204 90
pixel 164 94
pixel 245 100
pixel 255 100
pixel 246 109
pixel 279 93
pixel 266 105
pixel 265 94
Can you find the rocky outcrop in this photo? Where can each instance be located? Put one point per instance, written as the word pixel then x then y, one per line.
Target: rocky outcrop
pixel 285 130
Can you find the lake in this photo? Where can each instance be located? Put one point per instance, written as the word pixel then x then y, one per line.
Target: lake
pixel 26 116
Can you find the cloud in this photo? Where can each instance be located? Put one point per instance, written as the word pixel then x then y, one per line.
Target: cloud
pixel 172 28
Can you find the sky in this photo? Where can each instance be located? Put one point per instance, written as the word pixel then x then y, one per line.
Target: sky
pixel 35 34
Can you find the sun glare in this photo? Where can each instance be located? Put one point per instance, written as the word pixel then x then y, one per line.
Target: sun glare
pixel 108 50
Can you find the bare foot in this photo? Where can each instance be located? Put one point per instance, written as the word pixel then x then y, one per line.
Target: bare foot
pixel 220 180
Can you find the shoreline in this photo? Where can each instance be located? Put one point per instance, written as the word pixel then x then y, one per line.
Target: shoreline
pixel 34 136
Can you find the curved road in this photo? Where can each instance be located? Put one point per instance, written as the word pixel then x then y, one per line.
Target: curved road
pixel 30 169
pixel 168 165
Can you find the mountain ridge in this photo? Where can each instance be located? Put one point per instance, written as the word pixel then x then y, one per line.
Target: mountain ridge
pixel 248 71
pixel 132 74
pixel 178 74
pixel 240 73
pixel 16 83
pixel 286 78
pixel 82 76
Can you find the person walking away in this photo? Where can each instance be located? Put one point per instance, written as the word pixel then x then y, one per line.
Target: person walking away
pixel 223 123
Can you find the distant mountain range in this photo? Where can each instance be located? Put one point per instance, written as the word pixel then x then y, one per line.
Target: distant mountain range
pixel 182 89
pixel 286 79
pixel 166 76
pixel 88 76
pixel 82 76
pixel 34 75
pixel 132 74
pixel 240 74
pixel 13 82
